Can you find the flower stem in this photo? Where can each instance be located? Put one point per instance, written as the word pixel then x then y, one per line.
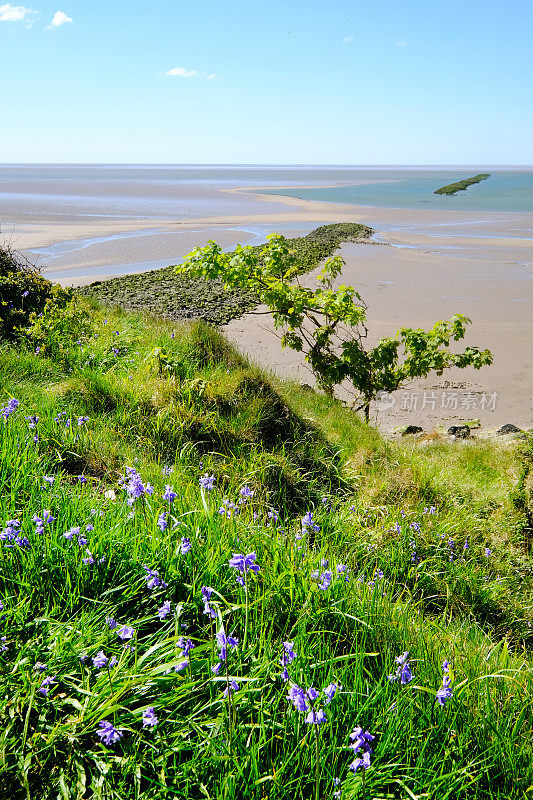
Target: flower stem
pixel 317 764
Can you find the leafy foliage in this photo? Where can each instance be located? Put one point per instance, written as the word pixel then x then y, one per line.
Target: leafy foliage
pixel 184 296
pixel 460 186
pixel 23 291
pixel 328 324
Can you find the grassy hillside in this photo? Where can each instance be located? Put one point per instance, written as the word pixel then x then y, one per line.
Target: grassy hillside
pixel 141 458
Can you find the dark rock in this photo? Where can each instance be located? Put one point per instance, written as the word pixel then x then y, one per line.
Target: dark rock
pixel 459 431
pixel 412 429
pixel 509 428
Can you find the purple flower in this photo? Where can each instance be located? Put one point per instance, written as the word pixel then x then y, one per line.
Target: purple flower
pixel 82 540
pixel 39 666
pixel 246 492
pixel 25 294
pixel 12 406
pixel 108 733
pixel 111 623
pixel 207 591
pixel 169 494
pixel 361 746
pixel 46 685
pixel 308 522
pixel 185 545
pixel 488 552
pixel 48 479
pixel 403 671
pixel 186 645
pixel 164 611
pixel 330 692
pixel 233 687
pixel 298 698
pixel 162 521
pixel 82 420
pixel 134 486
pixel 149 718
pixel 89 558
pixel 316 717
pixel 207 482
pixel 445 692
pixel 244 563
pixel 32 422
pixel 82 480
pixel 325 580
pixel 100 660
pixel 225 641
pixel 227 509
pixel 287 657
pixel 126 632
pixel 152 578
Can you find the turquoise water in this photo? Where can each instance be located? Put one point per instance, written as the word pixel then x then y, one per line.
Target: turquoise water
pixel 505 190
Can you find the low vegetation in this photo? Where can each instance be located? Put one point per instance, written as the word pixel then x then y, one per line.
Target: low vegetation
pixel 179 297
pixel 217 585
pixel 460 186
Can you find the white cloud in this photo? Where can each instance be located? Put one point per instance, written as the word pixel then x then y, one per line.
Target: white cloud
pixel 58 19
pixel 210 77
pixel 401 43
pixel 9 13
pixel 348 39
pixel 181 72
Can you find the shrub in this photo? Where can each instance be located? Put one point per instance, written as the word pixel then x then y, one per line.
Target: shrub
pixel 23 291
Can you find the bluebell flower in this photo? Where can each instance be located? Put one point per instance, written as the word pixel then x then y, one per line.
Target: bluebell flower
pixel 228 509
pixel 47 684
pixel 403 671
pixel 162 521
pixel 126 632
pixel 100 660
pixel 186 645
pixel 325 580
pixel 245 492
pixel 169 494
pixel 185 545
pixel 361 747
pixel 330 692
pixel 207 482
pixel 164 611
pixel 233 687
pixel 316 717
pixel 308 522
pixel 149 718
pixel 108 733
pixel 111 623
pixel 11 407
pixel 445 693
pixel 244 563
pixel 207 591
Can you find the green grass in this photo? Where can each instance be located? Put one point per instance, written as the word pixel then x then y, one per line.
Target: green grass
pixel 389 511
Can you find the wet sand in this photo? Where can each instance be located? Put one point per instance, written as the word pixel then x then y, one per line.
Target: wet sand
pixel 430 264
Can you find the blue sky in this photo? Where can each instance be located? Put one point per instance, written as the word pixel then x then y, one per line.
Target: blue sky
pixel 338 82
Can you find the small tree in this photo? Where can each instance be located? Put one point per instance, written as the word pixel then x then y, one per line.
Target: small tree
pixel 328 325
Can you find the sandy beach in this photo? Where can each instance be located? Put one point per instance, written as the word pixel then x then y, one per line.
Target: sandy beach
pixel 424 265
